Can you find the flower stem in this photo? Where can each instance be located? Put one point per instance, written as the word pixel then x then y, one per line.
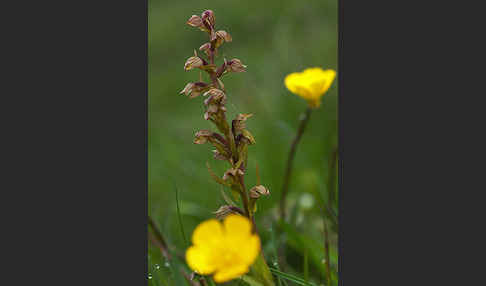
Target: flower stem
pixel 303 123
pixel 244 198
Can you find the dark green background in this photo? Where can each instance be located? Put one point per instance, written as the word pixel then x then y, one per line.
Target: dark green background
pixel 273 38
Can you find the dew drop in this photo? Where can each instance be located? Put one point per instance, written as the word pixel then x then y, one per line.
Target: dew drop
pixel 157 266
pixel 167 264
pixel 275 263
pixel 149 276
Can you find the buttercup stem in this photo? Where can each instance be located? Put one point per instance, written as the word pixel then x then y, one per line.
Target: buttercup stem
pixel 290 160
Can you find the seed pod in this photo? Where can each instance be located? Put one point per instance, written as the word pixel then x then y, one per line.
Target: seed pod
pixel 220 37
pixel 244 116
pixel 202 136
pixel 235 65
pixel 224 35
pixel 216 96
pixel 195 21
pixel 214 92
pixel 193 62
pixel 231 173
pixel 194 89
pixel 248 136
pixel 239 122
pixel 219 156
pixel 226 210
pixel 258 191
pixel 208 17
pixel 205 48
pixel 187 89
pixel 206 116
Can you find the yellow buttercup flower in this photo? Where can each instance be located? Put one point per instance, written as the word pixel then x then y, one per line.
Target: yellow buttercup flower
pixel 310 84
pixel 226 249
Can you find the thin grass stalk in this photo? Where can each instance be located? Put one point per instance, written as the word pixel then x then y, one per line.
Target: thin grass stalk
pixel 326 254
pixel 288 170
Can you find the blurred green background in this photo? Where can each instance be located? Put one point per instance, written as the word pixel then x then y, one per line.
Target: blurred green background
pixel 273 38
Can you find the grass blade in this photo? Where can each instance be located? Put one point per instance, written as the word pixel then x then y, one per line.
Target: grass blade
pixel 179 214
pixel 250 281
pixel 291 277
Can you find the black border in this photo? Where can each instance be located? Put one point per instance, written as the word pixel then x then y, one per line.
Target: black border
pixel 78 79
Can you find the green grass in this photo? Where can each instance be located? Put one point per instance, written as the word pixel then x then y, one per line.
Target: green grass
pixel 273 38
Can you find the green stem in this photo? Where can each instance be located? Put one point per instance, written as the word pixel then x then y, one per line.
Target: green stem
pixel 306 264
pixel 244 198
pixel 211 282
pixel 331 178
pixel 326 253
pixel 290 160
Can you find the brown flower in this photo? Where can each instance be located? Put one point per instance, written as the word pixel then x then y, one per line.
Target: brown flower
pixel 203 136
pixel 226 210
pixel 194 89
pixel 235 65
pixel 208 18
pixel 258 191
pixel 232 173
pixel 221 36
pixel 195 21
pixel 193 62
pixel 239 122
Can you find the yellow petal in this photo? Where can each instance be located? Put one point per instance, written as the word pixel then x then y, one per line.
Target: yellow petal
pixel 208 233
pixel 201 259
pixel 318 80
pixel 237 226
pixel 250 249
pixel 229 273
pixel 294 83
pixel 329 76
pixel 239 237
pixel 310 84
pixel 291 81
